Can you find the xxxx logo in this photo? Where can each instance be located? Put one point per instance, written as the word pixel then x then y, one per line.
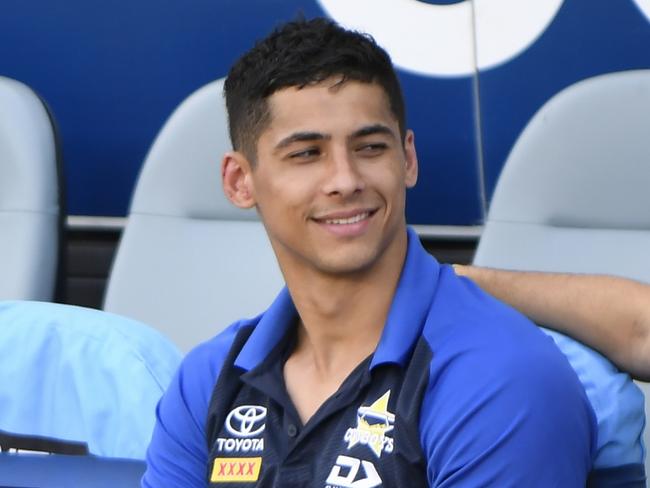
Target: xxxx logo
pixel 235 470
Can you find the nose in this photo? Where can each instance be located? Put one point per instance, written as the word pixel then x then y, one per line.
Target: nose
pixel 343 176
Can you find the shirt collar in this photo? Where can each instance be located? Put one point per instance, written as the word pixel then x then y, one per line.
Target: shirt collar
pixel 404 323
pixel 411 303
pixel 272 327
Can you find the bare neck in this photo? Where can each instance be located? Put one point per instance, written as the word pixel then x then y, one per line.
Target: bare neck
pixel 342 317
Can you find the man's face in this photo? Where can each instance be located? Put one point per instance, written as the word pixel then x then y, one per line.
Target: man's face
pixel 331 176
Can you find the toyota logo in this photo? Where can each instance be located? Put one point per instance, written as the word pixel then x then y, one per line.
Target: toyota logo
pixel 246 420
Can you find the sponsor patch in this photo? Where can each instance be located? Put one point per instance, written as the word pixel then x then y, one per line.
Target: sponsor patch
pixel 244 423
pixel 229 444
pixel 246 420
pixel 345 474
pixel 235 470
pixel 373 423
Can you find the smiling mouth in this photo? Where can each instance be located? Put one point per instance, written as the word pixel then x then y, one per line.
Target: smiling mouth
pixel 352 219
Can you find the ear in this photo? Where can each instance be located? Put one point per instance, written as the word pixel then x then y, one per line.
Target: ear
pixel 411 174
pixel 236 179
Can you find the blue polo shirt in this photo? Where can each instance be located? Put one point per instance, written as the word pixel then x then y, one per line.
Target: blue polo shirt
pixel 461 391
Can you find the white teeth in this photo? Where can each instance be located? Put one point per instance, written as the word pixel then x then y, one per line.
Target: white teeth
pixel 350 220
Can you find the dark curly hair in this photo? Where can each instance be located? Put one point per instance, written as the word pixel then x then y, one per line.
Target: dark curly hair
pixel 300 53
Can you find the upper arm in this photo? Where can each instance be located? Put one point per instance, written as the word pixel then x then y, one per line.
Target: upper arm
pixel 512 417
pixel 177 455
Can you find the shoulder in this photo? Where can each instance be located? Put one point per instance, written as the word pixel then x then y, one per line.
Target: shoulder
pixel 502 402
pixel 200 369
pixel 468 325
pixel 177 455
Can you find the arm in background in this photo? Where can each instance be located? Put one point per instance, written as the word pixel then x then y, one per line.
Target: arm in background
pixel 610 314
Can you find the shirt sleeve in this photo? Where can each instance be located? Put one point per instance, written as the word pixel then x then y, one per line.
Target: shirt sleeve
pixel 505 416
pixel 178 453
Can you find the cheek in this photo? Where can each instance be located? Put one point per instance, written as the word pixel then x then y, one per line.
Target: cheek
pixel 298 182
pixel 389 180
pixel 282 195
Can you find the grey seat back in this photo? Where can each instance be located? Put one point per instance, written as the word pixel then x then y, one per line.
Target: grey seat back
pixel 30 220
pixel 189 263
pixel 574 194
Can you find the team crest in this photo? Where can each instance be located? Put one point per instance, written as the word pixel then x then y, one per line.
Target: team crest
pixel 374 421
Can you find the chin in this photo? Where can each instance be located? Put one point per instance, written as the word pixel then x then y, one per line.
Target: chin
pixel 351 263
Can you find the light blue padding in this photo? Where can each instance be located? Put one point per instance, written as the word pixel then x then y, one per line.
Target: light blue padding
pixel 617 402
pixel 82 375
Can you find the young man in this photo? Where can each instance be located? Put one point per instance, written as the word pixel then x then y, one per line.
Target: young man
pixel 376 366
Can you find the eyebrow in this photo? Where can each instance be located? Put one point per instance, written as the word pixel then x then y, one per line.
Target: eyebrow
pixel 371 130
pixel 319 136
pixel 301 137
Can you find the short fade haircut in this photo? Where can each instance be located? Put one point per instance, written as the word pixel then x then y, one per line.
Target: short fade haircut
pixel 297 54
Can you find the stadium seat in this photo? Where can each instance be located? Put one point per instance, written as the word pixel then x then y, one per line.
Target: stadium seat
pixel 74 377
pixel 189 263
pixel 574 197
pixel 31 217
pixel 61 471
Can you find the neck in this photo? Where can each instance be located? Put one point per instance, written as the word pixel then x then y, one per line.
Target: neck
pixel 343 316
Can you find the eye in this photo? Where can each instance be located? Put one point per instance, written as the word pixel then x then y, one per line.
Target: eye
pixel 372 149
pixel 303 154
